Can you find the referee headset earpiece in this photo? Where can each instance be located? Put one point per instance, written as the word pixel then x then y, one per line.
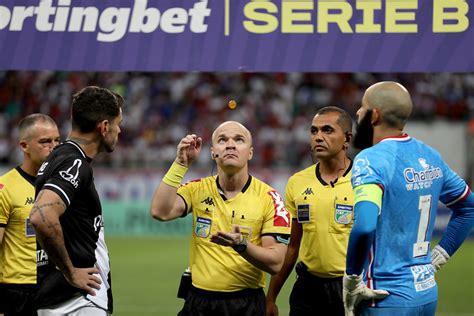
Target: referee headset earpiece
pixel 346 141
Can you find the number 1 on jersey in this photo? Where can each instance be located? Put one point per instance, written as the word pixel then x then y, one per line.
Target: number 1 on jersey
pixel 421 247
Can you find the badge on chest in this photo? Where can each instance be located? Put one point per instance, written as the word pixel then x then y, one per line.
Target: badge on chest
pixel 343 214
pixel 303 213
pixel 203 227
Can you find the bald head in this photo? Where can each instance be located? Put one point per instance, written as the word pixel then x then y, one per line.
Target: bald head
pixel 234 126
pixel 26 126
pixel 392 100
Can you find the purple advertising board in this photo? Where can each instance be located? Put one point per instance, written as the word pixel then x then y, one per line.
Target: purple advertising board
pixel 237 35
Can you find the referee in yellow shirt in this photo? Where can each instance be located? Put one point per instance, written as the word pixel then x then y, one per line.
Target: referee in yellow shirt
pixel 320 200
pixel 38 136
pixel 240 225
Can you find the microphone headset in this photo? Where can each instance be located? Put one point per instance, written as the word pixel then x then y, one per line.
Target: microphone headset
pixel 214 156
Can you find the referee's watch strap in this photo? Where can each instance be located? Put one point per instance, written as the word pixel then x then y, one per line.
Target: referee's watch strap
pixel 241 247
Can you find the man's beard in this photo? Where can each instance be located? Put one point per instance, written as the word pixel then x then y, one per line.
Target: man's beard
pixel 364 135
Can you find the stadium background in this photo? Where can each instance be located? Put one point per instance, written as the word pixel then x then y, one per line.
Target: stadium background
pixel 147 256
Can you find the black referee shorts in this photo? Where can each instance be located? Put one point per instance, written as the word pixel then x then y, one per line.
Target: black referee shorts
pixel 248 302
pixel 17 299
pixel 313 296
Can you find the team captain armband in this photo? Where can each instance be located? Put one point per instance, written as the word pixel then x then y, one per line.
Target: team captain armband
pixel 175 174
pixel 368 192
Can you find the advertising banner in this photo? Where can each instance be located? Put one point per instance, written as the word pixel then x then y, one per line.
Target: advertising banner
pixel 237 35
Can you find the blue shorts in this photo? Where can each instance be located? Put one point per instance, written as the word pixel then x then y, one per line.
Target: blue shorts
pixel 424 310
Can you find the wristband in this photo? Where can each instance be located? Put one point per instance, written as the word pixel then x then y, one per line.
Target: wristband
pixel 175 174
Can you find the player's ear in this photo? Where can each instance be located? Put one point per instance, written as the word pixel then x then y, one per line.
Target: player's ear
pixel 251 153
pixel 213 155
pixel 376 117
pixel 103 127
pixel 24 146
pixel 348 139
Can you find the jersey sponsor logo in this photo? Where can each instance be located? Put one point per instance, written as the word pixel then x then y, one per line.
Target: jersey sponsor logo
pixel 29 201
pixel 208 201
pixel 417 179
pixel 423 277
pixel 203 227
pixel 41 258
pixel 42 168
pixel 343 214
pixel 361 169
pixel 282 217
pixel 308 191
pixel 71 175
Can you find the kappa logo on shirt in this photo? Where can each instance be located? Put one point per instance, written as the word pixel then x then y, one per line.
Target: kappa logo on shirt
pixel 29 200
pixel 308 191
pixel 72 174
pixel 208 201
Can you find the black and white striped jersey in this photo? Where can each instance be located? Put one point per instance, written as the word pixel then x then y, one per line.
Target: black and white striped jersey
pixel 68 173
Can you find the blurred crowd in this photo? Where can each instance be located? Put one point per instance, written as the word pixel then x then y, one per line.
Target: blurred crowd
pixel 163 107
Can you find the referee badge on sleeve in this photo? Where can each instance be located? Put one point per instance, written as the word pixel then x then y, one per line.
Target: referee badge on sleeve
pixel 343 214
pixel 203 227
pixel 29 231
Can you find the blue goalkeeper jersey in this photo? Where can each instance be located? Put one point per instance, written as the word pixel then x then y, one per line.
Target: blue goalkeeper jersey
pixel 413 178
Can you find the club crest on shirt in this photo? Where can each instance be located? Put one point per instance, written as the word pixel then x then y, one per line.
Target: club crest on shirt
pixel 72 174
pixel 203 227
pixel 343 214
pixel 361 170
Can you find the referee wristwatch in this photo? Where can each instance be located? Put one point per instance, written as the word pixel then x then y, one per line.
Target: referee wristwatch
pixel 241 246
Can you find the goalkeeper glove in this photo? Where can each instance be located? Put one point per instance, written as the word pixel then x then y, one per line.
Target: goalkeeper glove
pixel 439 257
pixel 354 291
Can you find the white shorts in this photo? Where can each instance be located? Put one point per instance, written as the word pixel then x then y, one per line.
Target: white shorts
pixel 77 306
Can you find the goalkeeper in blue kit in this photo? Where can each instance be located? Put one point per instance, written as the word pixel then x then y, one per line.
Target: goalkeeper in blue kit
pixel 398 181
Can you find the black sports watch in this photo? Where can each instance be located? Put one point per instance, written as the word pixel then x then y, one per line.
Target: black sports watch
pixel 241 246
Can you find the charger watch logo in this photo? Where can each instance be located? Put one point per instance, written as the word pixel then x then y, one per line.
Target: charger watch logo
pixel 419 179
pixel 72 174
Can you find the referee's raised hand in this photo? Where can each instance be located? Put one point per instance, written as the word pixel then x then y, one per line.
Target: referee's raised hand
pixel 188 149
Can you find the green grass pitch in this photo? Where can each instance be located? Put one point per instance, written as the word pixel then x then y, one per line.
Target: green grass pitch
pixel 146 273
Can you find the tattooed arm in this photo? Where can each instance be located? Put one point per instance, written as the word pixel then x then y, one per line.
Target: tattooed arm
pixel 44 217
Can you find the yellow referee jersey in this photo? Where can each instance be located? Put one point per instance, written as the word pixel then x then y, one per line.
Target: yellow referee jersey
pixel 258 210
pixel 18 249
pixel 326 214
